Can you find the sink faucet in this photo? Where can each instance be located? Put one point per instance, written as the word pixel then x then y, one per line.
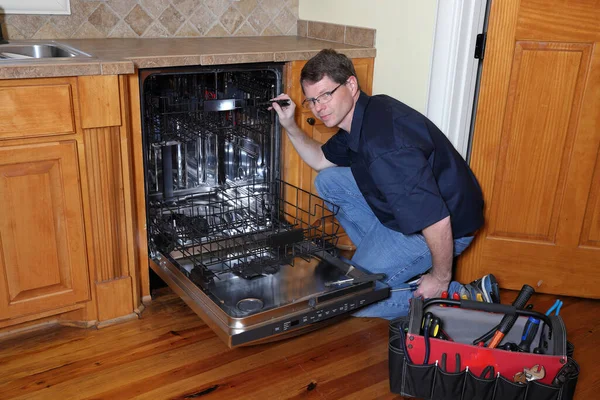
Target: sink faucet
pixel 2 41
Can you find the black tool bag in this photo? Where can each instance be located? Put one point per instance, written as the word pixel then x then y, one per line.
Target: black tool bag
pixel 456 369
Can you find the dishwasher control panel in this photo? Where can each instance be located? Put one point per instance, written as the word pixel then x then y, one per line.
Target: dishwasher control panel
pixel 322 313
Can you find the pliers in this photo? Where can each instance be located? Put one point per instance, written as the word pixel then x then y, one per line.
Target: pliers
pixel 426 323
pixel 456 362
pixel 488 372
pixel 431 328
pixel 555 307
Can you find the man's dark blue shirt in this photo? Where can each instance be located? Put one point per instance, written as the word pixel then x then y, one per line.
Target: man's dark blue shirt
pixel 408 171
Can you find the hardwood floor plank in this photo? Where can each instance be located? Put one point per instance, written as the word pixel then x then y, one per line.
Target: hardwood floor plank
pixel 345 385
pixel 109 359
pixel 377 391
pixel 60 345
pixel 301 348
pixel 113 377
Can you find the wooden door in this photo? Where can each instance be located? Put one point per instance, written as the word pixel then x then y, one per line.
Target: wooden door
pixel 535 148
pixel 43 262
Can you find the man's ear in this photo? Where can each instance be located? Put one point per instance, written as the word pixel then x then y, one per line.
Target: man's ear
pixel 353 85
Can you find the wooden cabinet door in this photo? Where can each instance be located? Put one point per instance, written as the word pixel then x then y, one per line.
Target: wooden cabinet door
pixel 364 73
pixel 536 148
pixel 43 262
pixel 321 134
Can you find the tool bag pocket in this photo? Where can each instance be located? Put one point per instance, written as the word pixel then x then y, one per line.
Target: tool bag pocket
pixel 448 385
pixel 430 382
pixel 478 388
pixel 417 380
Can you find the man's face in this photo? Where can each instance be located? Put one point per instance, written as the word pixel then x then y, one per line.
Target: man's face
pixel 338 111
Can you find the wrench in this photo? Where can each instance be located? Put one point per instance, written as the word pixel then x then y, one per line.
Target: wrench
pixel 535 373
pixel 520 377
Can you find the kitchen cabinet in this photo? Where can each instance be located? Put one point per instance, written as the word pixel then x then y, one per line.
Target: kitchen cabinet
pixel 296 171
pixel 66 226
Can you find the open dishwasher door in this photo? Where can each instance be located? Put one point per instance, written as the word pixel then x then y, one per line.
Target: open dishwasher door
pixel 248 252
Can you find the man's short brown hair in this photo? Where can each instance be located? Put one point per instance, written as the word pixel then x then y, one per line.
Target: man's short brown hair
pixel 328 62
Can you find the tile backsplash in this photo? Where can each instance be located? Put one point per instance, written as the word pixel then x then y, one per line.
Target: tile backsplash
pixel 158 18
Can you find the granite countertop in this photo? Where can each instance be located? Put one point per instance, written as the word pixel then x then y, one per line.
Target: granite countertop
pixel 123 56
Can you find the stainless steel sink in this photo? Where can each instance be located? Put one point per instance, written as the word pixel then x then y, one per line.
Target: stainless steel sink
pixel 31 51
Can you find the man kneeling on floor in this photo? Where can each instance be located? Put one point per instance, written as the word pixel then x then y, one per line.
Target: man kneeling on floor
pixel 408 200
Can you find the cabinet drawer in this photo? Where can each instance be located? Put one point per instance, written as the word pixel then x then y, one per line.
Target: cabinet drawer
pixel 39 110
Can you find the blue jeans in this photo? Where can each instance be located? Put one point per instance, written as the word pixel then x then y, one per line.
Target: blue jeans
pixel 379 249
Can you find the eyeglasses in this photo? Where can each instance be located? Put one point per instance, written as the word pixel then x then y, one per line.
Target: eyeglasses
pixel 322 99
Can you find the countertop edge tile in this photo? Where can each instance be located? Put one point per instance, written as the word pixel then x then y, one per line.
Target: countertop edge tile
pixel 165 61
pixel 16 71
pixel 359 53
pixel 117 67
pixel 236 58
pixel 295 55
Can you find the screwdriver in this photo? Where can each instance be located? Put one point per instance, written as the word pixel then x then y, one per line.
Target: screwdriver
pixel 434 328
pixel 508 321
pixel 281 102
pixel 426 321
pixel 529 332
pixel 444 296
pixel 433 323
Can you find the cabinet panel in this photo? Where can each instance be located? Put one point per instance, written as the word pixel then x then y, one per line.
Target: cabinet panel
pixel 43 262
pixel 364 73
pixel 100 101
pixel 321 134
pixel 36 110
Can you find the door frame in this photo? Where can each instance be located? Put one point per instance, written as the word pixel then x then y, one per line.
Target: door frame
pixel 454 73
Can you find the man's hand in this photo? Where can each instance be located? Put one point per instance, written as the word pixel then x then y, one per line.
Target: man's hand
pixel 286 113
pixel 431 286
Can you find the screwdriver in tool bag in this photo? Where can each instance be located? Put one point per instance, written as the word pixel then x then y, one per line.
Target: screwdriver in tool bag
pixel 529 332
pixel 508 321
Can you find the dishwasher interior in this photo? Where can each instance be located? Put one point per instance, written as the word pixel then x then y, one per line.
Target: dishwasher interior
pixel 248 252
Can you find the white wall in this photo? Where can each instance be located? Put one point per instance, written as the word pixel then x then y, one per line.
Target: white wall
pixel 404 40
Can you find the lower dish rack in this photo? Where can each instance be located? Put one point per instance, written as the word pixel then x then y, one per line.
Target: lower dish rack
pixel 248 230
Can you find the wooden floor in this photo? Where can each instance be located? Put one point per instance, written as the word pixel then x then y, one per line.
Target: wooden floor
pixel 171 354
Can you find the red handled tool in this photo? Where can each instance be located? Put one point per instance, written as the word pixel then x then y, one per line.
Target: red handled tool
pixel 508 321
pixel 444 296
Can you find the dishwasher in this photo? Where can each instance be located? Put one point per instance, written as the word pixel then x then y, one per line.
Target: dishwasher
pixel 251 254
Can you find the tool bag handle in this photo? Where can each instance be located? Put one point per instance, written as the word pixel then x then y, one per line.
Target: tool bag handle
pixel 506 309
